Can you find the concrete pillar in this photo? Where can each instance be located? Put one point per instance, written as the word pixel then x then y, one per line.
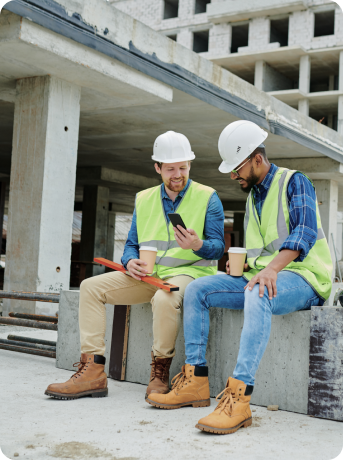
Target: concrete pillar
pixel 2 209
pixel 303 106
pixel 94 227
pixel 340 98
pixel 266 78
pixel 304 83
pixel 331 83
pixel 259 74
pixel 42 188
pixel 238 225
pixel 304 74
pixel 340 114
pixel 327 196
pixel 330 120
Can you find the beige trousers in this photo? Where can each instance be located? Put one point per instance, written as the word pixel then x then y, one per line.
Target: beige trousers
pixel 116 288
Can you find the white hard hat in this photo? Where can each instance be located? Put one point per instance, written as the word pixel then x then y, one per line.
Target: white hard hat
pixel 172 147
pixel 237 141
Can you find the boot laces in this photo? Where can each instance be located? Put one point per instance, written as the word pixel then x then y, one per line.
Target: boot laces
pixel 81 366
pixel 159 369
pixel 178 380
pixel 226 402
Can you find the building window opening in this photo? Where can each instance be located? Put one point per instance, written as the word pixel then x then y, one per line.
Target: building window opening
pixel 172 37
pixel 239 37
pixel 201 41
pixel 324 23
pixel 201 6
pixel 171 9
pixel 279 31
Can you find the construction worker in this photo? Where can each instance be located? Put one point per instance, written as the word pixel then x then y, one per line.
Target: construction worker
pixel 183 255
pixel 288 269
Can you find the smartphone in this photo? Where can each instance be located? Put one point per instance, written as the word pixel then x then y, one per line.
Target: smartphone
pixel 176 220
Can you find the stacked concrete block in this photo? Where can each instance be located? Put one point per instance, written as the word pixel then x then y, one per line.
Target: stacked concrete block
pixel 220 37
pixel 185 38
pixel 258 34
pixel 149 12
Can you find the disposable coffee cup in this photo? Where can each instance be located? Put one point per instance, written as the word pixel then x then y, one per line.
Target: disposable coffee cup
pixel 236 257
pixel 148 255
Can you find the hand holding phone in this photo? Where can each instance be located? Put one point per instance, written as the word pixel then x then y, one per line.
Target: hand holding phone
pixel 186 238
pixel 176 219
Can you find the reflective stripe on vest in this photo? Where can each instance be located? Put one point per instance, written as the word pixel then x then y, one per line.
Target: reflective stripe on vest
pixel 153 230
pixel 264 239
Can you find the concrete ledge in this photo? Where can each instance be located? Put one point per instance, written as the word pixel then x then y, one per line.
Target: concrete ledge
pixel 282 377
pixel 301 370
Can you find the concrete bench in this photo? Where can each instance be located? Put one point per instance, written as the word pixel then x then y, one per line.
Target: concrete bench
pixel 301 370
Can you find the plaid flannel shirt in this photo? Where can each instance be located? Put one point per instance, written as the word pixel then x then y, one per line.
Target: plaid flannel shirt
pixel 303 230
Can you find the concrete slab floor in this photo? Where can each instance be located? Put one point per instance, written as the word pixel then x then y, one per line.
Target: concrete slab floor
pixel 122 426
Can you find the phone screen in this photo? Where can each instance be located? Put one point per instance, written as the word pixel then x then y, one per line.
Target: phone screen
pixel 176 220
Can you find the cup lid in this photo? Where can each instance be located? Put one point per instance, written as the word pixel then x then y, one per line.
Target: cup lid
pixel 237 250
pixel 148 248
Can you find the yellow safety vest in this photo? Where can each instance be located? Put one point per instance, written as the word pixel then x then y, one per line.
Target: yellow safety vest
pixel 153 230
pixel 264 238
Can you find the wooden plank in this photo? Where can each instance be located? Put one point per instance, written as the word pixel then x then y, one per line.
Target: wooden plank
pixel 325 389
pixel 146 279
pixel 119 343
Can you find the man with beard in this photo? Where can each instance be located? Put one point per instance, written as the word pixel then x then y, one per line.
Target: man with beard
pixel 183 255
pixel 288 268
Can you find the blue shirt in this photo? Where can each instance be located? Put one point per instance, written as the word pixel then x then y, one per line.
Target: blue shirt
pixel 214 243
pixel 303 229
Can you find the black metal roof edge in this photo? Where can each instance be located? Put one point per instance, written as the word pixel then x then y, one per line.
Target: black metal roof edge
pixel 51 15
pixel 279 129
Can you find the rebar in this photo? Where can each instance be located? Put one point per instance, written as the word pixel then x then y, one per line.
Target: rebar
pixel 36 346
pixel 50 343
pixel 31 351
pixel 49 319
pixel 28 323
pixel 35 296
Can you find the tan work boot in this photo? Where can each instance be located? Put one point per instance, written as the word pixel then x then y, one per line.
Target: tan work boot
pixel 189 388
pixel 89 380
pixel 160 376
pixel 232 412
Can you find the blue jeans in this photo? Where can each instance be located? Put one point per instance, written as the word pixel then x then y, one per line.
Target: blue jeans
pixel 225 291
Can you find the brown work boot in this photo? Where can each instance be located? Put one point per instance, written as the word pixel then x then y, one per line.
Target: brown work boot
pixel 160 376
pixel 232 412
pixel 189 388
pixel 89 380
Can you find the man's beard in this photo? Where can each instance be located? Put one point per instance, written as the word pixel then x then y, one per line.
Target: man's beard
pixel 250 181
pixel 176 187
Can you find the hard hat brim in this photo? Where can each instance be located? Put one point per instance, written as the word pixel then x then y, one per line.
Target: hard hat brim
pixel 174 160
pixel 227 168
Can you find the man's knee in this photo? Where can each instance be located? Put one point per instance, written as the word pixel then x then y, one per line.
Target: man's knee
pixel 163 300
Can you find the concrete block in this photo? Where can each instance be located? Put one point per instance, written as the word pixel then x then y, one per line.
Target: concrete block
pixel 325 391
pixel 283 374
pixel 68 337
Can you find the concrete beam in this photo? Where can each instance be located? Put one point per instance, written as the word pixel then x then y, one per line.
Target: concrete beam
pixel 315 168
pixel 107 176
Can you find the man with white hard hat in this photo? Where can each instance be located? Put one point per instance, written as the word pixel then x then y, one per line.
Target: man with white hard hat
pixel 183 255
pixel 288 268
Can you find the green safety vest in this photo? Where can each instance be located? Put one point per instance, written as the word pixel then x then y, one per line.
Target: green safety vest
pixel 153 230
pixel 264 238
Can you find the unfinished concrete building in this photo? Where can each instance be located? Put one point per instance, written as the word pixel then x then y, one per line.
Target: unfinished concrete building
pixel 292 49
pixel 84 91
